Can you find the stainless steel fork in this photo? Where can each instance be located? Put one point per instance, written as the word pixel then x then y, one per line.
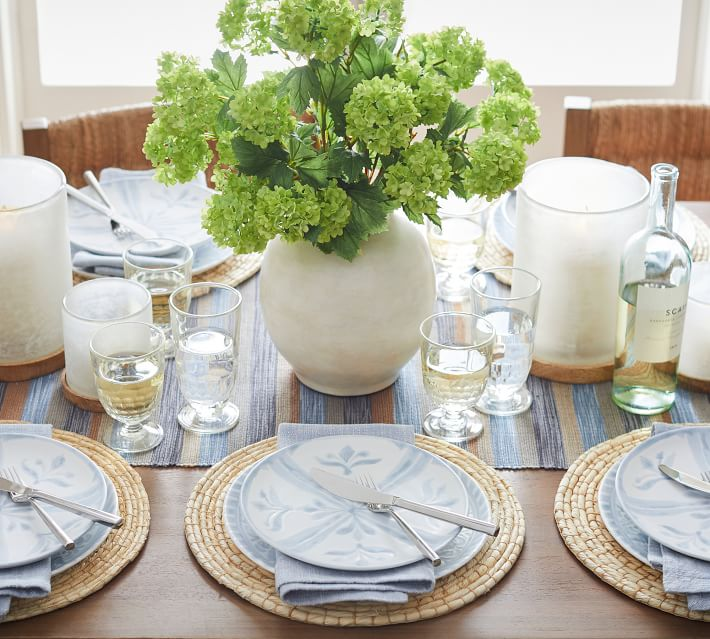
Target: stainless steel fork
pixel 705 476
pixel 57 531
pixel 426 549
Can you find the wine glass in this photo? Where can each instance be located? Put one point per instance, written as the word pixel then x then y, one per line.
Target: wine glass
pixel 456 352
pixel 206 347
pixel 513 312
pixel 128 359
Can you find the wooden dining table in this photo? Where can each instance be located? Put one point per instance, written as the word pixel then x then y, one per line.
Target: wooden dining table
pixel 165 593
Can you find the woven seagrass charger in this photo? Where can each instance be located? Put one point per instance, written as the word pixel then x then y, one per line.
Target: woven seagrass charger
pixel 221 558
pixel 586 536
pixel 120 548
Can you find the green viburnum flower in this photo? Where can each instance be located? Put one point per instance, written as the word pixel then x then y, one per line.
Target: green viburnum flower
pixel 381 112
pixel 505 79
pixel 422 169
pixel 230 217
pixel 246 24
pixel 184 110
pixel 318 28
pixel 381 15
pixel 508 113
pixel 497 165
pixel 261 115
pixel 432 94
pixel 335 207
pixel 451 52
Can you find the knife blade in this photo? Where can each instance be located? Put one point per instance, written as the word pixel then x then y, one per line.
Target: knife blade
pixel 94 514
pixel 686 480
pixel 355 492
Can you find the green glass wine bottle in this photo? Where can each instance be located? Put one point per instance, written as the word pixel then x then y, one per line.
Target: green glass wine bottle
pixel 653 293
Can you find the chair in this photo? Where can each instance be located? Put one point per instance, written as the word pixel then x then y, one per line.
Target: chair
pixel 641 133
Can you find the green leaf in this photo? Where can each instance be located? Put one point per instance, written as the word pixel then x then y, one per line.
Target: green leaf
pixel 372 58
pixel 300 84
pixel 305 131
pixel 434 218
pixel 230 74
pixel 344 161
pixel 415 216
pixel 282 175
pixel 225 122
pixel 314 170
pixel 299 150
pixel 336 86
pixel 457 117
pixel 370 210
pixel 253 160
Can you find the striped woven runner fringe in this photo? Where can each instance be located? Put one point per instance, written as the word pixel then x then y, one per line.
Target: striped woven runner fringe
pixel 564 419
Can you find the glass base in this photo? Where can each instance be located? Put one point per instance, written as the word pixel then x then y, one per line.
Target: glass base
pixel 518 403
pixel 209 420
pixel 438 424
pixel 453 287
pixel 642 400
pixel 141 440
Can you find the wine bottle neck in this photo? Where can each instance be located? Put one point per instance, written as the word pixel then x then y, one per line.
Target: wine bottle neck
pixel 664 182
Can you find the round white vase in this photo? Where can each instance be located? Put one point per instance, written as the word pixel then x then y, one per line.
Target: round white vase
pixel 347 328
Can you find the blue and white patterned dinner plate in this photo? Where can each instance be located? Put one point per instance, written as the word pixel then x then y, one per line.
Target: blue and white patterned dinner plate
pixel 298 517
pixel 464 547
pixel 56 468
pixel 90 540
pixel 172 211
pixel 673 515
pixel 617 522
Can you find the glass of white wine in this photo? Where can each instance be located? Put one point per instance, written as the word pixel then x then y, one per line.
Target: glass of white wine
pixel 457 349
pixel 205 318
pixel 128 359
pixel 161 265
pixel 456 245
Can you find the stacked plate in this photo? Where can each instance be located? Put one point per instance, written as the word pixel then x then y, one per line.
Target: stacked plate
pixel 637 501
pixel 275 506
pixel 172 211
pixel 54 467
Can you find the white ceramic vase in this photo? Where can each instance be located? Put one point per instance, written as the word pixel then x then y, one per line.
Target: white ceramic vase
pixel 347 328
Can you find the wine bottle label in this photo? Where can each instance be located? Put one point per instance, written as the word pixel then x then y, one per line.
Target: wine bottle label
pixel 660 313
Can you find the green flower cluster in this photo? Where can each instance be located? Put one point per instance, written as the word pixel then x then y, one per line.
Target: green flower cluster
pixel 381 112
pixel 505 79
pixel 432 94
pixel 509 113
pixel 261 115
pixel 386 16
pixel 246 24
pixel 186 103
pixel 423 169
pixel 497 164
pixel 318 28
pixel 451 52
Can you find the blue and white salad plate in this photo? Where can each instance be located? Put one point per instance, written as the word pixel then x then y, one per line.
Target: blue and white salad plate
pixel 173 211
pixel 56 468
pixel 464 547
pixel 617 522
pixel 292 513
pixel 673 515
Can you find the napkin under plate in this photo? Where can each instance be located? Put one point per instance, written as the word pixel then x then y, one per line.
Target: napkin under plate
pixel 302 584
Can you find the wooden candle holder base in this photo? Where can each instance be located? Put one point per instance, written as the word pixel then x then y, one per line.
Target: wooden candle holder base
pixel 573 374
pixel 22 371
pixel 85 403
pixel 697 385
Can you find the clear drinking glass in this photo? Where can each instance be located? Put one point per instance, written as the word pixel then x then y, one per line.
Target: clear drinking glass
pixel 456 351
pixel 456 245
pixel 161 265
pixel 513 312
pixel 129 361
pixel 206 333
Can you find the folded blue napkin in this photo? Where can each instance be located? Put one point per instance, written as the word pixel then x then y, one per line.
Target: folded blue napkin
pixel 31 580
pixel 681 574
pixel 302 584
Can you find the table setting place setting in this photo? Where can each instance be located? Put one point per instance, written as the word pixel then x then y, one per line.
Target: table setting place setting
pixel 326 330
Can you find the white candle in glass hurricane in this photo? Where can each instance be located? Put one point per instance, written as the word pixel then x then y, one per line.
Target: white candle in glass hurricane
pixel 573 218
pixel 35 260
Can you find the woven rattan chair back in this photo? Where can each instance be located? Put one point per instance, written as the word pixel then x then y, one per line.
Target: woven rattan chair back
pixel 641 133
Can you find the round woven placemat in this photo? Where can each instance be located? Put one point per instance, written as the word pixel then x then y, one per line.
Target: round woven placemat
pixel 218 555
pixel 584 533
pixel 234 270
pixel 120 548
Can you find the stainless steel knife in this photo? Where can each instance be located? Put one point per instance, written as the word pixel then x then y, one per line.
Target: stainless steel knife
pixel 685 479
pixel 355 492
pixel 94 514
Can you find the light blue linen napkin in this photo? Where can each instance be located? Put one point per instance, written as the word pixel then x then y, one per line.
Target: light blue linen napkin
pixel 302 584
pixel 681 574
pixel 31 580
